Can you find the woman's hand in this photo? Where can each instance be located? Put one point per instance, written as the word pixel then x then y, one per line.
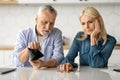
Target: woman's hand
pixel 95 34
pixel 67 67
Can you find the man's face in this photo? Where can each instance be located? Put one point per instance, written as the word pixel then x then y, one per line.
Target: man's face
pixel 45 22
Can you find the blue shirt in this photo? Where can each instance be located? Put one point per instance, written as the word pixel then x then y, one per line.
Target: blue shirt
pixel 52 46
pixel 93 56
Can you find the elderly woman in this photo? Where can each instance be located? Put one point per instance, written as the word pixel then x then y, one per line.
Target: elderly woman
pixel 93 44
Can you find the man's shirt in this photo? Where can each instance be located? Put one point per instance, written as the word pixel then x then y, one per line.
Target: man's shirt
pixel 51 45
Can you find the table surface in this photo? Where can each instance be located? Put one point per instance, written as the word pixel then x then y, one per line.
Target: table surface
pixel 86 73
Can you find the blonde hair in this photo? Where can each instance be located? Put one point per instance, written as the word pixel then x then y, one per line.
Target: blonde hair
pixel 93 13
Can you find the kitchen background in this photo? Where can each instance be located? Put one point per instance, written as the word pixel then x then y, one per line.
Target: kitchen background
pixel 19 16
pixel 14 17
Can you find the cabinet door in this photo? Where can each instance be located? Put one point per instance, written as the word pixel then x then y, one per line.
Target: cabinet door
pixel 65 1
pixel 34 1
pixel 8 57
pixel 115 57
pixel 47 1
pixel 99 1
pixel 1 58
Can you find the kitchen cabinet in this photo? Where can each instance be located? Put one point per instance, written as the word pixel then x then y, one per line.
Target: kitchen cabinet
pixel 100 1
pixel 1 58
pixel 65 1
pixel 115 57
pixel 34 1
pixel 56 1
pixel 6 57
pixel 6 54
pixel 86 1
pixel 8 1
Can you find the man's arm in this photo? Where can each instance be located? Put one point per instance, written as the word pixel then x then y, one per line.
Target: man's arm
pixel 39 63
pixel 50 63
pixel 23 55
pixel 20 49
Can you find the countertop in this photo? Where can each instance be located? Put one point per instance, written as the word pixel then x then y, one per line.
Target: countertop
pixel 8 1
pixel 117 46
pixel 86 73
pixel 12 47
pixel 65 47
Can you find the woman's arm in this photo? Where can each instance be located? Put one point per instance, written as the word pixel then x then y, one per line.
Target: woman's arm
pixel 99 54
pixel 73 52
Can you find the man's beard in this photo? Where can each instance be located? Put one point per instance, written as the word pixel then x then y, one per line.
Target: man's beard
pixel 45 33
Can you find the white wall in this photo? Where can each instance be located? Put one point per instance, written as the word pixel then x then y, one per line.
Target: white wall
pixel 16 17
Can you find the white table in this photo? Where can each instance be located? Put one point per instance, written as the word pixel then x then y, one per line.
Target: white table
pixel 86 73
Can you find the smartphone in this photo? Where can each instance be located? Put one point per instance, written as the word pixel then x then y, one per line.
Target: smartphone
pixel 117 70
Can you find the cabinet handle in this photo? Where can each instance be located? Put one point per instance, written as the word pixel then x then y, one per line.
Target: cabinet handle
pixel 83 0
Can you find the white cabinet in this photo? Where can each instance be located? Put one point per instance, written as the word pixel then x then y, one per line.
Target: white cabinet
pixel 65 1
pixel 115 57
pixel 34 1
pixel 101 1
pixel 56 1
pixel 6 57
pixel 1 58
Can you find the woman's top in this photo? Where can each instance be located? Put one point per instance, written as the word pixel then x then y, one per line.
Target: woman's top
pixel 93 56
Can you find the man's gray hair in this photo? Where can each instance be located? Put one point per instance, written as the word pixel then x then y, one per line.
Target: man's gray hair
pixel 47 7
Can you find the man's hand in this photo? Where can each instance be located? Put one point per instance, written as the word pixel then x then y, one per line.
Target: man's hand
pixel 23 55
pixel 36 64
pixel 34 45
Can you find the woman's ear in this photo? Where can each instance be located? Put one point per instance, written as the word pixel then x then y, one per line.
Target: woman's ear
pixel 100 20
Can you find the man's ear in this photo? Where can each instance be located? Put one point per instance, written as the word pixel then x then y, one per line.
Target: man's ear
pixel 36 18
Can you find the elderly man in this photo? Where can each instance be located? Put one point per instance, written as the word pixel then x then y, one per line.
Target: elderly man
pixel 44 37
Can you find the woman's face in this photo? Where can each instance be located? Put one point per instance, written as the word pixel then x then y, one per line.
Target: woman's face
pixel 88 24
